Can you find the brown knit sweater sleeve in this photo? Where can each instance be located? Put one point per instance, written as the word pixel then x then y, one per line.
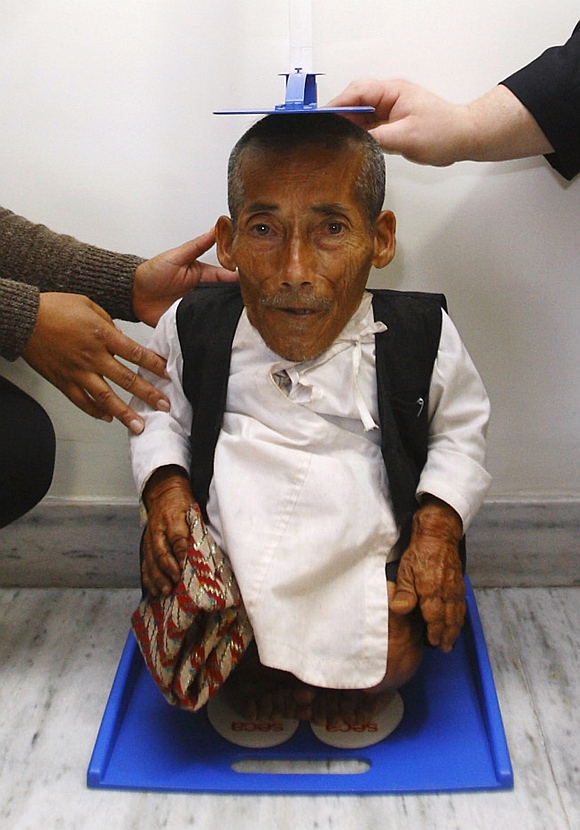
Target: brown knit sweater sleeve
pixel 34 259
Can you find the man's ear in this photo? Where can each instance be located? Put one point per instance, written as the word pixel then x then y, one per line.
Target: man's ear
pixel 224 238
pixel 384 238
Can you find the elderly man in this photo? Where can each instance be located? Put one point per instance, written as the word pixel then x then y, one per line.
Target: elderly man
pixel 333 438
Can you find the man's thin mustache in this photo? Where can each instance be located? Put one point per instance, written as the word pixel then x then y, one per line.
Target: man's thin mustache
pixel 296 299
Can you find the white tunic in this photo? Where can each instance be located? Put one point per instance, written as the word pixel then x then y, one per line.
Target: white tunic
pixel 299 499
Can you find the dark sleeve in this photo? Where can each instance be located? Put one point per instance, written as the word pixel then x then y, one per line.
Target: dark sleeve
pixel 34 259
pixel 549 88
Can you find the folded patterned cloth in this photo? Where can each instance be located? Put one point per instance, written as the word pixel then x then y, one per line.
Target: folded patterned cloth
pixel 192 639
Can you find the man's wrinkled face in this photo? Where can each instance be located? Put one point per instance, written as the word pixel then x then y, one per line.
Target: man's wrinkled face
pixel 303 246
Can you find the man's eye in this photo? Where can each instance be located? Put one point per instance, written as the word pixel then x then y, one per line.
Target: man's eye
pixel 261 229
pixel 335 227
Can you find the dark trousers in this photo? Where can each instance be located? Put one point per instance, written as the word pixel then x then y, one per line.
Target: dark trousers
pixel 27 451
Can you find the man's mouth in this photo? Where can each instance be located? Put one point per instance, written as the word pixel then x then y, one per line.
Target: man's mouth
pixel 297 306
pixel 300 312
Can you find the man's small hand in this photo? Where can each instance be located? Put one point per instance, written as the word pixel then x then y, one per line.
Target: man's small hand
pixel 430 573
pixel 167 498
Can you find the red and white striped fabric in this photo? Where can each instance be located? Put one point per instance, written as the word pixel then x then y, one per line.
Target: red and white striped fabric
pixel 192 639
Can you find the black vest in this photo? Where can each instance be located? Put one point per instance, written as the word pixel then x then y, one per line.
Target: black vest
pixel 206 323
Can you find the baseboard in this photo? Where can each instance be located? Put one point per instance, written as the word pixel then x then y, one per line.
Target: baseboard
pixel 95 545
pixel 72 545
pixel 525 544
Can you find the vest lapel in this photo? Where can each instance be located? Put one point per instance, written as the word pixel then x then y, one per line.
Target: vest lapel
pixel 400 472
pixel 206 330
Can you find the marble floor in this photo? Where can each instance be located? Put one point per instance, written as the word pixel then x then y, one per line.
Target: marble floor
pixel 59 649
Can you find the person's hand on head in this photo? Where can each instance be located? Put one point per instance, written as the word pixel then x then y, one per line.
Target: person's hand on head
pixel 426 129
pixel 409 121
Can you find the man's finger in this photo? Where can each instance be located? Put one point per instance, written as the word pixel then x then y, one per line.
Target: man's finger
pixel 442 635
pixel 403 602
pixel 405 598
pixel 160 571
pixel 164 558
pixel 444 621
pixel 434 632
pixel 449 638
pixel 179 548
pixel 167 565
pixel 154 581
pixel 454 618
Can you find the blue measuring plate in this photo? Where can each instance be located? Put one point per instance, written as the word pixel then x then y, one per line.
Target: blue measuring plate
pixel 451 738
pixel 301 98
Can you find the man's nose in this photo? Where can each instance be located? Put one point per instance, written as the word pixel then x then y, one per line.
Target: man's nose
pixel 297 269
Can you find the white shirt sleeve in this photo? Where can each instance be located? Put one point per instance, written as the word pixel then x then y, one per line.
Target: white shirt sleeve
pixel 458 419
pixel 165 439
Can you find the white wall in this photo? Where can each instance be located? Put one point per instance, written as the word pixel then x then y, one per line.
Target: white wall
pixel 107 133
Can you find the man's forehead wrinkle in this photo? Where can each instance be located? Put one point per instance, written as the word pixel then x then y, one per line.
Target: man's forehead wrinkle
pixel 330 209
pixel 260 207
pixel 326 209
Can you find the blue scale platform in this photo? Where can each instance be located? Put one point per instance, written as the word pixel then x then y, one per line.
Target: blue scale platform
pixel 451 738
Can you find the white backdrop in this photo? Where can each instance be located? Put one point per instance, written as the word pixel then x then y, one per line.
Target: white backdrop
pixel 107 133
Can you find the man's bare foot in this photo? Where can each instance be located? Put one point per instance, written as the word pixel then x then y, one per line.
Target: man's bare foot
pixel 335 708
pixel 260 693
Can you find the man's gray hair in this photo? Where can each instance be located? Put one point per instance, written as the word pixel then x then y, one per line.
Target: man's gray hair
pixel 285 132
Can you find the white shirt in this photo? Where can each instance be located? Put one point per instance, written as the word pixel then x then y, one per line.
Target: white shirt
pixel 299 438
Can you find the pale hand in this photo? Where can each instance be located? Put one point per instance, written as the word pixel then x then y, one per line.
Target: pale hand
pixel 409 120
pixel 426 129
pixel 430 574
